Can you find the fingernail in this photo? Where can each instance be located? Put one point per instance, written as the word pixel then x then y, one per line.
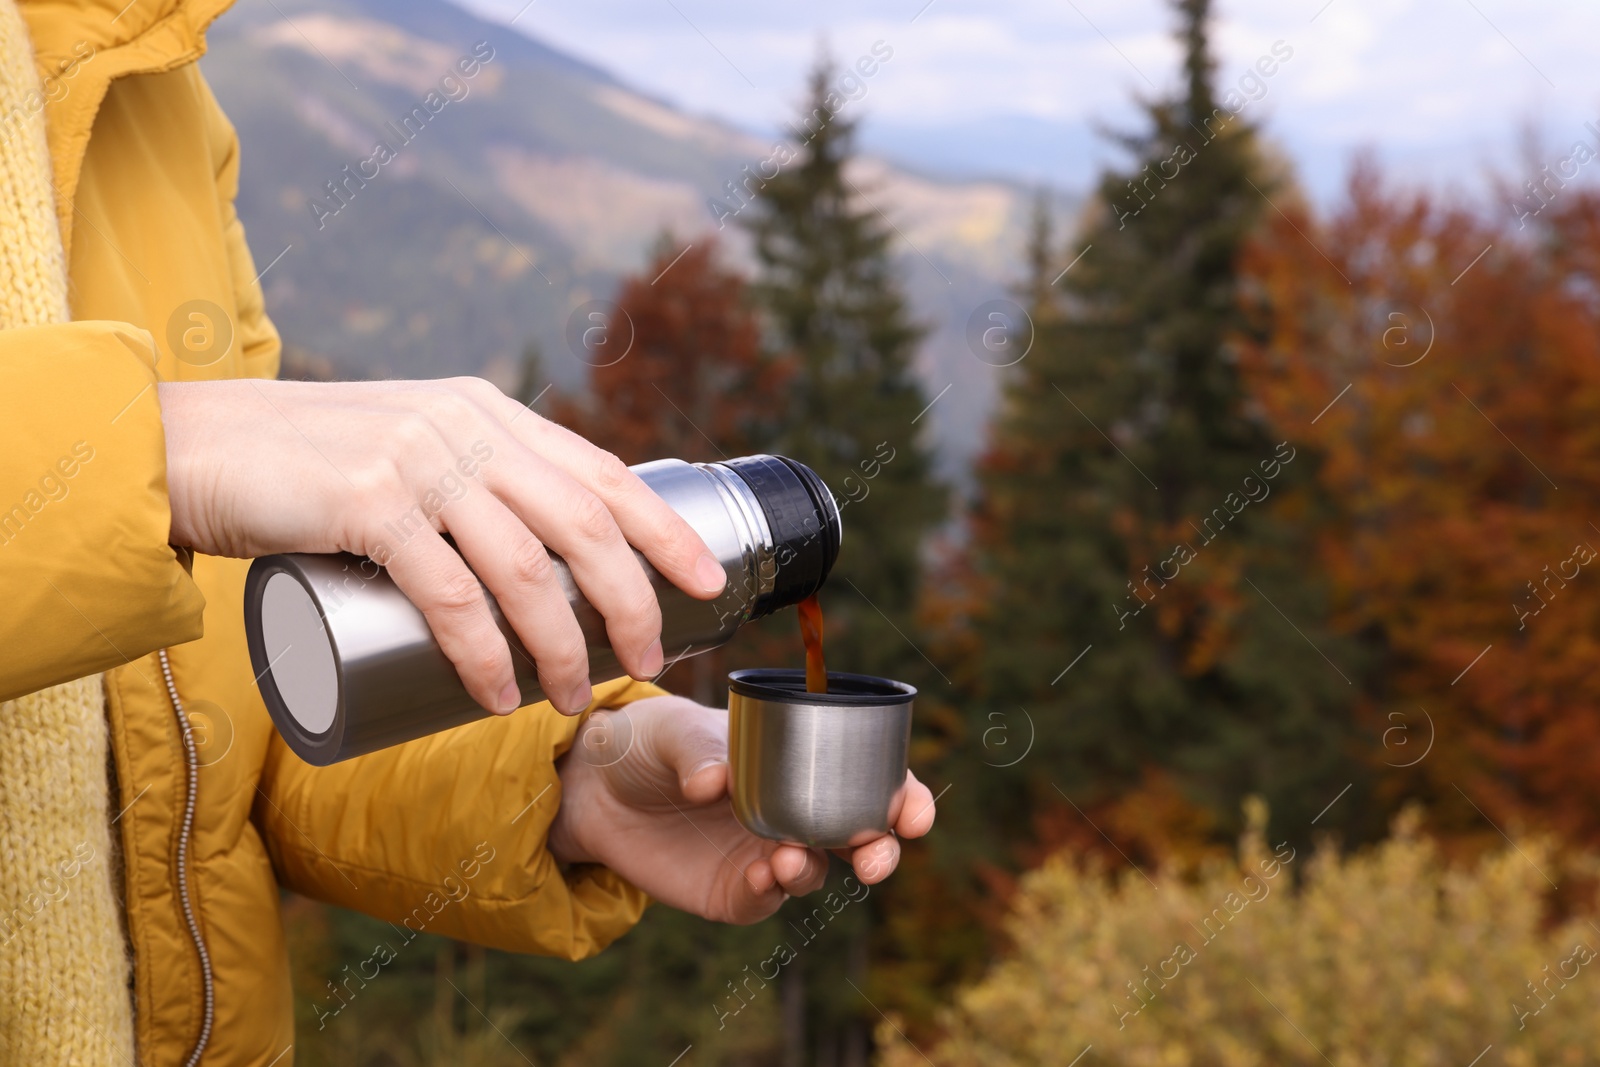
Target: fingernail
pixel 510 699
pixel 581 696
pixel 653 659
pixel 698 767
pixel 710 573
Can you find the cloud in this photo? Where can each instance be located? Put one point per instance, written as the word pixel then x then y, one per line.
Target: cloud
pixel 1403 77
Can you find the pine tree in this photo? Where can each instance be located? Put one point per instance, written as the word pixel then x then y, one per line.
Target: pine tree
pixel 834 305
pixel 830 290
pixel 1039 260
pixel 1124 575
pixel 698 382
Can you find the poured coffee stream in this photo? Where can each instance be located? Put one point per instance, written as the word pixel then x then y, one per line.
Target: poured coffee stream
pixel 811 633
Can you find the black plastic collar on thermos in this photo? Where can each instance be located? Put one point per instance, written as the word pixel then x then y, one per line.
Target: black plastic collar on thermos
pixel 804 521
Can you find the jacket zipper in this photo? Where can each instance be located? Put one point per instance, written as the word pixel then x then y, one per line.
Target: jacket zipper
pixel 191 786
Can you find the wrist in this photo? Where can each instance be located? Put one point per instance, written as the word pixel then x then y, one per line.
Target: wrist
pixel 563 840
pixel 174 400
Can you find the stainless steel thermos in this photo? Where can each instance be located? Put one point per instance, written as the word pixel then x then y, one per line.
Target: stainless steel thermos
pixel 347 665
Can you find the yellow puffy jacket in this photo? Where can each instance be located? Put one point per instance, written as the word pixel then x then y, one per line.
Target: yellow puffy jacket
pixel 446 834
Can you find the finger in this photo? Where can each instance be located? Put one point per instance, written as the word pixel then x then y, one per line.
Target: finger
pixel 876 861
pixel 579 527
pixel 758 887
pixel 917 809
pixel 649 524
pixel 799 870
pixel 754 896
pixel 434 578
pixel 518 571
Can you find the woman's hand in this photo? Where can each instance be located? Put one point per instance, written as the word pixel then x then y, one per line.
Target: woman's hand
pixel 382 469
pixel 644 791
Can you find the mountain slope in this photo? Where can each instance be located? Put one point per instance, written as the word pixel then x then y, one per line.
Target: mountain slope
pixel 404 234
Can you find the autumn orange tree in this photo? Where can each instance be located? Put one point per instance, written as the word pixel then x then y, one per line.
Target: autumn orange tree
pixel 1445 365
pixel 689 379
pixel 692 379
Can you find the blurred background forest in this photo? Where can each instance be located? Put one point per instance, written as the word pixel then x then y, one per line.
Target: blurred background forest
pixel 1217 525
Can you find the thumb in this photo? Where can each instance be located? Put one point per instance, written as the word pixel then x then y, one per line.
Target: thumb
pixel 691 741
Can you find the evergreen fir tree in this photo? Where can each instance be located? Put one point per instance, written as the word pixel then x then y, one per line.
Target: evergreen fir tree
pixel 1037 290
pixel 836 311
pixel 1120 437
pixel 829 287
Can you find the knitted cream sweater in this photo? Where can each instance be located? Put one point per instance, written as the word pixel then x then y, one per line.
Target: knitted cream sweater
pixel 63 963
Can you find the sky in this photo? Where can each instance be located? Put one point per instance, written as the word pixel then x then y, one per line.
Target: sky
pixel 1439 90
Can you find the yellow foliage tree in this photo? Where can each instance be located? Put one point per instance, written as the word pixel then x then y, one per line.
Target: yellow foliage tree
pixel 1389 957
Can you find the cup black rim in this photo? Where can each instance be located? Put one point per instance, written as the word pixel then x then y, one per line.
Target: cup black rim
pixel 787 685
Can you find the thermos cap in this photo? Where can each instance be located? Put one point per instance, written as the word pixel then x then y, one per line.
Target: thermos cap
pixel 803 519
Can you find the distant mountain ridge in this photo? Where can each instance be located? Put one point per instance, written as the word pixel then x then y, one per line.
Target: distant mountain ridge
pixel 506 197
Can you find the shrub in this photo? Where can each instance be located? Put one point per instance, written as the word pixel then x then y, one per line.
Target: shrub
pixel 1390 956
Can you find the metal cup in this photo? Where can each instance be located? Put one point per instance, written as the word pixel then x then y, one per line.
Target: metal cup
pixel 817 769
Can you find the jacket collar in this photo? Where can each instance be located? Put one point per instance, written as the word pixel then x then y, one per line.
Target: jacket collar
pixel 120 37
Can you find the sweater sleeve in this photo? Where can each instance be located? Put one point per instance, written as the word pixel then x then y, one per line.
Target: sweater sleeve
pixel 447 834
pixel 90 579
